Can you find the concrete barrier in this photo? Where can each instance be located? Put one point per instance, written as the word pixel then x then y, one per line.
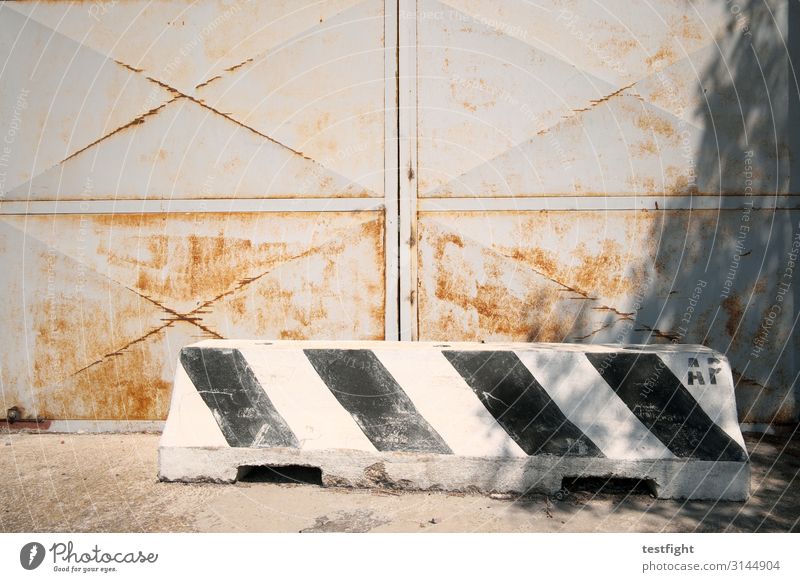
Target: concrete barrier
pixel 464 416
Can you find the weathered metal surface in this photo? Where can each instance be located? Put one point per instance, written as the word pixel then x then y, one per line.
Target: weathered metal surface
pixel 58 96
pixel 100 304
pixel 188 112
pixel 208 102
pixel 321 94
pixel 229 99
pixel 183 151
pixel 585 98
pixel 641 101
pixel 180 42
pixel 623 276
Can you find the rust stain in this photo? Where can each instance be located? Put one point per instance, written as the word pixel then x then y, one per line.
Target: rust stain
pixel 58 350
pixel 207 82
pixel 679 180
pixel 132 387
pixel 688 29
pixel 292 334
pixel 240 65
pixel 344 301
pixel 174 317
pixel 372 230
pixel 121 350
pixel 659 334
pixel 652 122
pixel 600 270
pixel 200 264
pixel 137 121
pixel 664 55
pixel 442 243
pixel 242 283
pixel 618 46
pixel 646 184
pixel 185 267
pixel 596 102
pixel 255 131
pixel 646 148
pixel 24 425
pixel 622 314
pixel 734 309
pixel 500 313
pixel 541 262
pixel 494 304
pixel 575 113
pixel 60 355
pixel 581 275
pixel 603 327
pixel 113 369
pixel 662 93
pixel 127 66
pixel 476 297
pixel 176 94
pixel 111 385
pixel 756 402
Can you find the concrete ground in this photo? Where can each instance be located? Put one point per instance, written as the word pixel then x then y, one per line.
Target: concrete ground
pixel 83 482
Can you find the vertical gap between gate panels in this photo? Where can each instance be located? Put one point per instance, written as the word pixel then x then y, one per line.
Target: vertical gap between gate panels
pixel 407 166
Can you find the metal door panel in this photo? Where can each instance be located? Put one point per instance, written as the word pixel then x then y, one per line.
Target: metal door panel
pixel 100 304
pixel 574 169
pixel 619 277
pixel 64 98
pixel 182 43
pixel 621 98
pixel 185 170
pixel 320 94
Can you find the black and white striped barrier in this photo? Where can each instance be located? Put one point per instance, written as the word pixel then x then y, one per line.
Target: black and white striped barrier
pixel 473 417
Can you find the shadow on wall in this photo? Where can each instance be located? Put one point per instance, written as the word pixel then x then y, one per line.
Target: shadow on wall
pixel 734 266
pixel 727 277
pixel 697 119
pixel 722 273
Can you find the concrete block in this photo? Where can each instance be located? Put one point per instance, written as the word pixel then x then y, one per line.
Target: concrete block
pixel 513 417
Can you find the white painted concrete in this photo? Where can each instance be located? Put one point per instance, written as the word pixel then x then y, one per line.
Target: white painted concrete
pixel 446 401
pixel 485 458
pixel 718 400
pixel 676 479
pixel 304 401
pixel 190 422
pixel 590 403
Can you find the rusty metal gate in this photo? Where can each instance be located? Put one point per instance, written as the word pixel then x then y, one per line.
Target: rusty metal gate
pixel 184 170
pixel 605 172
pixel 568 171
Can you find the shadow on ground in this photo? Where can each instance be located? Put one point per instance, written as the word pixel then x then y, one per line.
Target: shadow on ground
pixel 107 483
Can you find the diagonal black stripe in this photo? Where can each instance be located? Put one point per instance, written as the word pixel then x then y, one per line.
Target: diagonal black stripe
pixel 649 388
pixel 366 389
pixel 520 404
pixel 243 410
